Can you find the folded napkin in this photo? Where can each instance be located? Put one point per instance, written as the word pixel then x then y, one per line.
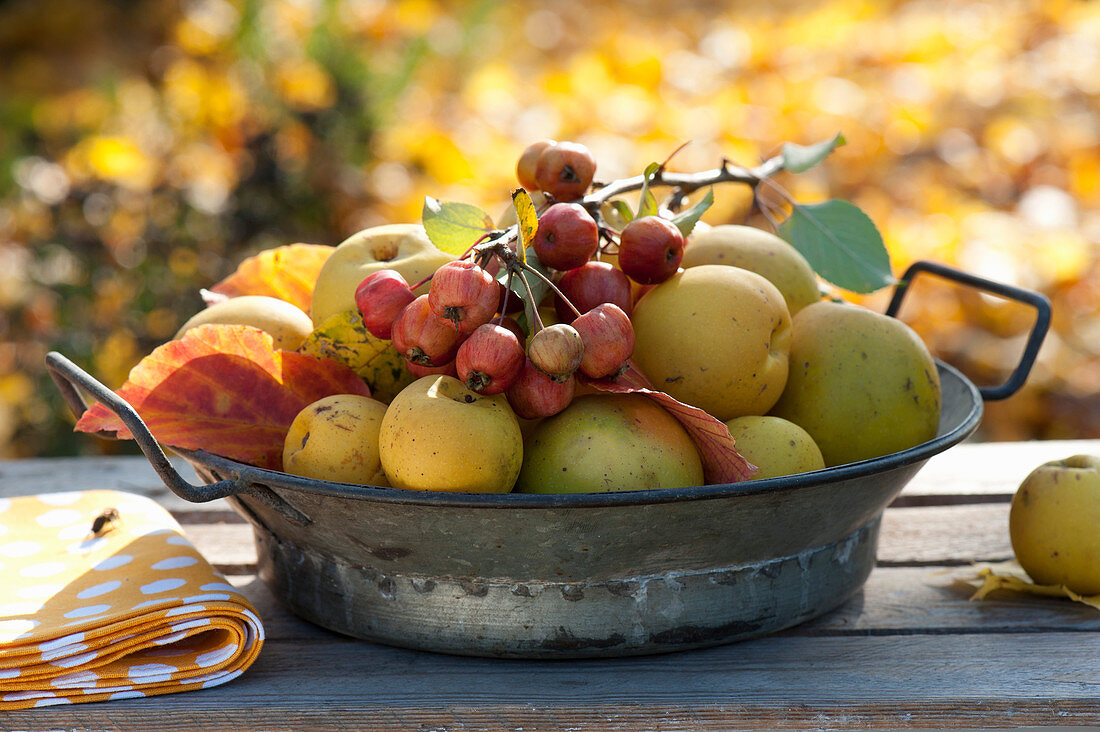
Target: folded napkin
pixel 102 597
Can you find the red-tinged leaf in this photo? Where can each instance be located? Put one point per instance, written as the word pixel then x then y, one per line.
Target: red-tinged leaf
pixel 717 448
pixel 227 390
pixel 634 377
pixel 288 273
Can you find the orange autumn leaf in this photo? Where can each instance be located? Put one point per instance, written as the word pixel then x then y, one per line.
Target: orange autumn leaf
pixel 717 448
pixel 287 272
pixel 227 390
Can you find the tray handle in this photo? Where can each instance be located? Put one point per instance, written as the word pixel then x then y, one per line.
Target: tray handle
pixel 1036 300
pixel 70 378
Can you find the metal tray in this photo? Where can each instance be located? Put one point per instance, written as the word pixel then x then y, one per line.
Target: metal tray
pixel 560 576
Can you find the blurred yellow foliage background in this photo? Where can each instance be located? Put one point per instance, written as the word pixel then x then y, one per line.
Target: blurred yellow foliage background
pixel 148 146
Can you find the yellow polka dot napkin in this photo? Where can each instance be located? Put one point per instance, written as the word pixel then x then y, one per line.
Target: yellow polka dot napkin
pixel 102 597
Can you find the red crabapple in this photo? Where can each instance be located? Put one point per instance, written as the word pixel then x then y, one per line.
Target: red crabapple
pixel 567 236
pixel 556 350
pixel 528 162
pixel 490 360
pixel 591 284
pixel 465 294
pixel 535 395
pixel 418 370
pixel 608 338
pixel 565 170
pixel 513 325
pixel 650 249
pixel 380 298
pixel 422 337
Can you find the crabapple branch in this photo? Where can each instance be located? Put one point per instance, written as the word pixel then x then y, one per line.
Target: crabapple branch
pixel 686 183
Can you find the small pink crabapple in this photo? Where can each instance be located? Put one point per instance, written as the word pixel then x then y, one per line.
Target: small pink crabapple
pixel 534 394
pixel 380 298
pixel 490 360
pixel 422 337
pixel 465 294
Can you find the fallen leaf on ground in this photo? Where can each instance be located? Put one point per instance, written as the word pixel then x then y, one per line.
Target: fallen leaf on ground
pixel 1011 576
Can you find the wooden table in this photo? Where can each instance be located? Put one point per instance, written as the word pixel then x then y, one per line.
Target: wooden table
pixel 909 650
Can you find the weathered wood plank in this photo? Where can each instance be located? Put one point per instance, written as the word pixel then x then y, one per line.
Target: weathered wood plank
pixel 228 546
pixel 933 600
pixel 988 468
pixel 128 473
pixel 903 681
pixel 324 716
pixel 945 534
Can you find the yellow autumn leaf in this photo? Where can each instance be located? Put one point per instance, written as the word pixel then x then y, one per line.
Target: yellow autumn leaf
pixel 527 218
pixel 342 338
pixel 1011 576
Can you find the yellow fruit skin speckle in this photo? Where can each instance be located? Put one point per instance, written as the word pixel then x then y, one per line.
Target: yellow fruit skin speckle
pixel 438 435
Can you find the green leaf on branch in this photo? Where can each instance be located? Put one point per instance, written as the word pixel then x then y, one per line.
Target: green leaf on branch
pixel 841 243
pixel 617 213
pixel 455 227
pixel 800 158
pixel 527 220
pixel 647 203
pixel 685 220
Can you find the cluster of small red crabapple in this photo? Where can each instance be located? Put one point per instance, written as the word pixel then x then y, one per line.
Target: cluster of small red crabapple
pixel 463 326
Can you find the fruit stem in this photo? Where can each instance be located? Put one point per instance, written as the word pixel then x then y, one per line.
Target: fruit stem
pixel 481 252
pixel 609 246
pixel 553 287
pixel 671 155
pixel 424 281
pixel 507 294
pixel 531 298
